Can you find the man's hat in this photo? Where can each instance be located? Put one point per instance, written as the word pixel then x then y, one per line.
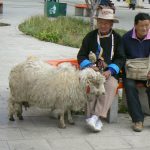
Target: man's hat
pixel 107 14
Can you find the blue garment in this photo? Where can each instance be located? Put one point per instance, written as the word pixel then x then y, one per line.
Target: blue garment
pixel 114 67
pixel 112 71
pixel 135 48
pixel 85 63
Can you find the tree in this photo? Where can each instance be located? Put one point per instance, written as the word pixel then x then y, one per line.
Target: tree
pixel 139 3
pixel 92 5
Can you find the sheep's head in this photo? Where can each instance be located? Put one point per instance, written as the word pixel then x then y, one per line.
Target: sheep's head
pixel 93 81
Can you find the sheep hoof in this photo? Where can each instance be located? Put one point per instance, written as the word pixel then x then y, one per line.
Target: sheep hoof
pixel 62 126
pixel 11 119
pixel 71 122
pixel 20 117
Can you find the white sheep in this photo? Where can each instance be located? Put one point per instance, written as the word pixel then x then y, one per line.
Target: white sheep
pixel 36 83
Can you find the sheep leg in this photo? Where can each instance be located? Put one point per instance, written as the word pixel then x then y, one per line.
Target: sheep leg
pixel 11 109
pixel 70 119
pixel 62 121
pixel 18 107
pixel 11 118
pixel 20 116
pixel 19 112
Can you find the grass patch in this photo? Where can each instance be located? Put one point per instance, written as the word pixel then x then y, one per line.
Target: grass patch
pixel 122 107
pixel 63 30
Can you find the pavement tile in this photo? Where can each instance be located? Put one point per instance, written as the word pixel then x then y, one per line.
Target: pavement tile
pixel 142 148
pixel 74 131
pixel 44 121
pixel 40 132
pixel 70 144
pixel 113 142
pixel 4 122
pixel 109 129
pixel 10 133
pixel 29 145
pixel 138 141
pixel 30 133
pixel 4 145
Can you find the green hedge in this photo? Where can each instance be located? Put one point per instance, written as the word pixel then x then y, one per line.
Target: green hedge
pixel 63 30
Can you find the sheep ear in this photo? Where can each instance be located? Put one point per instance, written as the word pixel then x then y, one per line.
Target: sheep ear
pixel 87 89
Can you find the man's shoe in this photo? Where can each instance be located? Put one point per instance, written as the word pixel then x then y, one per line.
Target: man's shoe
pixel 91 122
pixel 98 126
pixel 138 126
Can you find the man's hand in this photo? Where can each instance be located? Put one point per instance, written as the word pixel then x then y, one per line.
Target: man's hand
pixel 94 68
pixel 107 74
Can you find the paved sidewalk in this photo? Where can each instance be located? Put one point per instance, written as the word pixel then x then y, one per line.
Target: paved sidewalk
pixel 38 131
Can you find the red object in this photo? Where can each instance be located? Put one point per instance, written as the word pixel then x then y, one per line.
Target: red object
pixel 59 61
pixel 120 85
pixel 88 89
pixel 81 6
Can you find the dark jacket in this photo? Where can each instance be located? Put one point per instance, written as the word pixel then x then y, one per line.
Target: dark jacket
pixel 135 48
pixel 90 44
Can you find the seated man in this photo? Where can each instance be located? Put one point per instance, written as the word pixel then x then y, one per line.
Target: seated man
pixel 148 88
pixel 102 50
pixel 136 44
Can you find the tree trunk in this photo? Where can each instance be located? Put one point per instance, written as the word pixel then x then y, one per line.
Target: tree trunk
pixel 139 3
pixel 92 5
pixel 92 26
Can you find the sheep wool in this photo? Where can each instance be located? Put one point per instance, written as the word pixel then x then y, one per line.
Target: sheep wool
pixel 36 83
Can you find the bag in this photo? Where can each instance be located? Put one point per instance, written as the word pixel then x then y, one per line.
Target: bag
pixel 137 68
